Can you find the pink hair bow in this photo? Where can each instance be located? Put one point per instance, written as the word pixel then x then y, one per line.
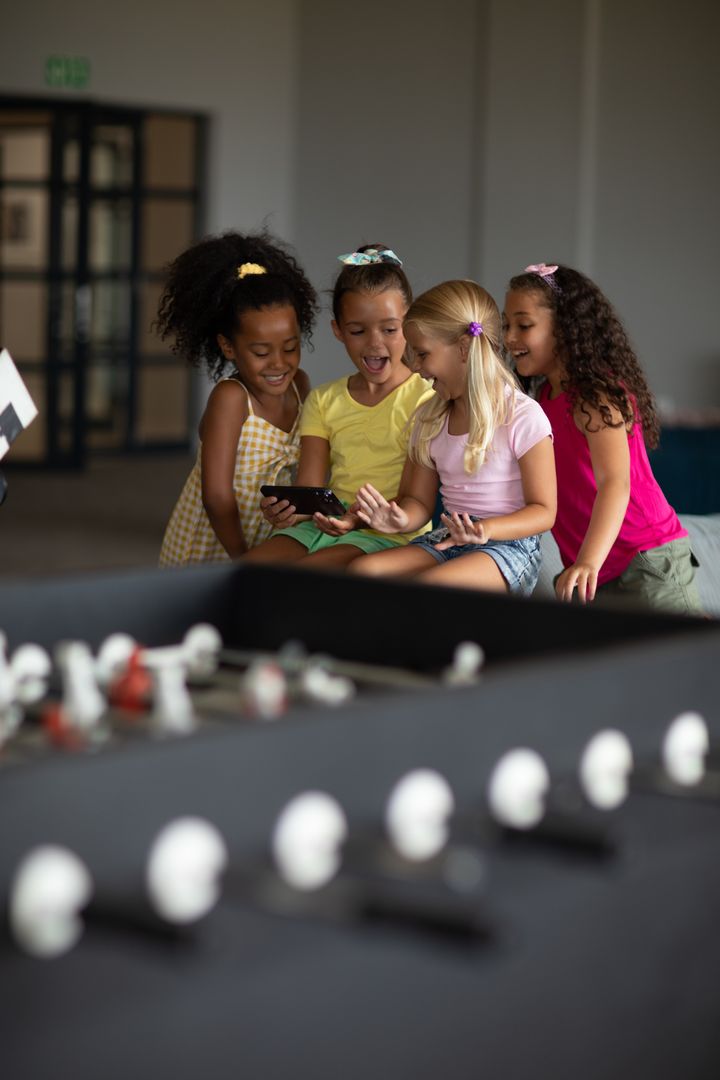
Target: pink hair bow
pixel 547 273
pixel 542 269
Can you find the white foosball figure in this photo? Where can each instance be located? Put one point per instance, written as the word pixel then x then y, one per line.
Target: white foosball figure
pixel 23 681
pixel 307 840
pixel 184 869
pixel 685 748
pixel 605 767
pixel 467 664
pixel 517 789
pixel 170 665
pixel 263 690
pixel 83 704
pixel 49 889
pixel 113 657
pixel 173 712
pixel 198 652
pixel 318 684
pixel 417 814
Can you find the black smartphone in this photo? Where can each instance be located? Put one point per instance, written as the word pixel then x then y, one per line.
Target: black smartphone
pixel 307 500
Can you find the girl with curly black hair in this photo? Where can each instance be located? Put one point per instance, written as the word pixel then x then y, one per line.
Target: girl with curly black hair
pixel 237 306
pixel 616 531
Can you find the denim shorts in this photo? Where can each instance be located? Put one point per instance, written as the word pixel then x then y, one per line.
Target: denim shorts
pixel 517 560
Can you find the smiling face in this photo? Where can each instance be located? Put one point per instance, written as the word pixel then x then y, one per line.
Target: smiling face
pixel 529 336
pixel 442 364
pixel 370 328
pixel 265 349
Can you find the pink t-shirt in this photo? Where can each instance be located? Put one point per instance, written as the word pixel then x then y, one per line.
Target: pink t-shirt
pixel 649 521
pixel 496 487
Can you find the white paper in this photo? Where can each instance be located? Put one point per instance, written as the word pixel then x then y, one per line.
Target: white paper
pixel 14 392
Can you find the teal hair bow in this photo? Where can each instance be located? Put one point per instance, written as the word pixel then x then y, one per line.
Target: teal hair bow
pixel 372 255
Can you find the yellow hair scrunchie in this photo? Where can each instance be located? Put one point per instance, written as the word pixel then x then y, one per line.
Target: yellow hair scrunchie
pixel 250 268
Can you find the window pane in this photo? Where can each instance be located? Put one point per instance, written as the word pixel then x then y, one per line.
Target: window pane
pixel 24 155
pixel 163 401
pixel 71 161
pixel 106 405
pixel 169 143
pixel 66 324
pixel 68 238
pixel 111 156
pixel 23 229
pixel 110 234
pixel 167 230
pixel 23 319
pixel 110 317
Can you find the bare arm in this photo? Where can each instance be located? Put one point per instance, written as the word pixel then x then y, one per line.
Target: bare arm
pixel 610 457
pixel 314 467
pixel 539 484
pixel 220 429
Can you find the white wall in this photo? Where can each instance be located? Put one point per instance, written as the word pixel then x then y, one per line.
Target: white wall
pixel 602 150
pixel 387 129
pixel 233 60
pixel 474 136
pixel 657 242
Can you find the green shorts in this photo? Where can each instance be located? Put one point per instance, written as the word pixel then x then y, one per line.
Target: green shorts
pixel 663 578
pixel 314 539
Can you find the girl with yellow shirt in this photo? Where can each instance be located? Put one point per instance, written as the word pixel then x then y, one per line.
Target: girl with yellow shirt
pixel 357 426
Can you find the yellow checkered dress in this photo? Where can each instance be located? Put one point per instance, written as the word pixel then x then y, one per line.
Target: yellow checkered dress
pixel 265 455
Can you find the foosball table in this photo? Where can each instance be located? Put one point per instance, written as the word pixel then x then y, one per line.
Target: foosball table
pixel 269 822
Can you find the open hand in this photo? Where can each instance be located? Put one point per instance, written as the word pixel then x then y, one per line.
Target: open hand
pixel 462 530
pixel 379 514
pixel 580 576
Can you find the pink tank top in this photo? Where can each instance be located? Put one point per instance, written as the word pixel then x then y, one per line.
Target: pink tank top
pixel 649 520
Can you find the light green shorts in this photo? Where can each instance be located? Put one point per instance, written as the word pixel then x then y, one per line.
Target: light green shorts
pixel 314 539
pixel 663 578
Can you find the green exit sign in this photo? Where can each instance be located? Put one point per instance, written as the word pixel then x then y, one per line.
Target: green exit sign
pixel 69 71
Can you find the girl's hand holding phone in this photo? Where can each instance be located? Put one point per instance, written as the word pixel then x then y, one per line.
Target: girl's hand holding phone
pixel 279 512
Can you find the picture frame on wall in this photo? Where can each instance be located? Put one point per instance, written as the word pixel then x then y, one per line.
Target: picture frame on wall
pixel 23 228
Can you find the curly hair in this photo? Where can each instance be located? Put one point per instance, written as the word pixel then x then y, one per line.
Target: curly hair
pixel 371 278
pixel 601 367
pixel 204 296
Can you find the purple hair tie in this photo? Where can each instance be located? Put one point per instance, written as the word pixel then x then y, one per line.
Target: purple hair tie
pixel 474 329
pixel 547 273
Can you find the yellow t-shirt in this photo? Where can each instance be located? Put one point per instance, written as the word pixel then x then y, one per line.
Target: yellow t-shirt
pixel 368 443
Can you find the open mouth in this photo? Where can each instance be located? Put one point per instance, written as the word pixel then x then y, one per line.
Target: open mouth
pixel 375 364
pixel 275 380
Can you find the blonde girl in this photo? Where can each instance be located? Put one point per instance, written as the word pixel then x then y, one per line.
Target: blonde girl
pixel 481 443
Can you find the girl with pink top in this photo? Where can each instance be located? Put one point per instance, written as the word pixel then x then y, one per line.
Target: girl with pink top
pixel 482 442
pixel 616 531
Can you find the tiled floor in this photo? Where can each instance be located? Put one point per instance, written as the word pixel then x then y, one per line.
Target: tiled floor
pixel 111 515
